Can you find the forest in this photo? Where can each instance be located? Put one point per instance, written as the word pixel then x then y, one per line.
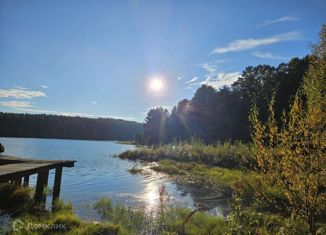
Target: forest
pixel 64 127
pixel 222 115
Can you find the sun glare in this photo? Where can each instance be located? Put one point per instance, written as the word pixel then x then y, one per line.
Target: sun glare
pixel 156 84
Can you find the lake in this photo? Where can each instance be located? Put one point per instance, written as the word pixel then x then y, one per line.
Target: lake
pixel 97 173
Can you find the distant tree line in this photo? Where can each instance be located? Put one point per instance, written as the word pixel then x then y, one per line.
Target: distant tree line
pixel 218 115
pixel 64 127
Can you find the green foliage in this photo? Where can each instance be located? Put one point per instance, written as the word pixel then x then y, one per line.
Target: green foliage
pixel 244 221
pixel 259 194
pixel 14 199
pixel 69 220
pixel 170 220
pixel 104 207
pixel 225 154
pixel 63 127
pixel 135 170
pixel 213 177
pixel 213 115
pixel 59 205
pixel 98 229
pixel 164 220
pixel 293 157
pixel 155 126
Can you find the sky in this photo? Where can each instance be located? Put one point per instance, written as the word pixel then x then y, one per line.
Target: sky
pixel 120 58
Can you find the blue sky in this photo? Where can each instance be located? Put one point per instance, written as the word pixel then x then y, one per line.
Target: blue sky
pixel 97 58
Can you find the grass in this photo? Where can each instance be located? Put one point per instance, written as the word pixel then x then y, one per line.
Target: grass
pixel 122 220
pixel 223 167
pixel 164 220
pixel 15 200
pixel 64 222
pixel 128 142
pixel 227 155
pixel 258 206
pixel 135 170
pixel 213 177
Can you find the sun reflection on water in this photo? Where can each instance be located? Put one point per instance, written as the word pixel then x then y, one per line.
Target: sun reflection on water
pixel 151 195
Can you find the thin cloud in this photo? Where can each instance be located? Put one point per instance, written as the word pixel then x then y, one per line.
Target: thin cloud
pixel 216 78
pixel 20 93
pixel 278 20
pixel 44 86
pixel 268 55
pixel 194 79
pixel 221 79
pixel 246 44
pixel 20 87
pixel 210 68
pixel 94 102
pixel 16 104
pixel 192 83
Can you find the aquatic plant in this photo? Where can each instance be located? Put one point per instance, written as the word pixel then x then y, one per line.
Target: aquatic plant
pixel 228 155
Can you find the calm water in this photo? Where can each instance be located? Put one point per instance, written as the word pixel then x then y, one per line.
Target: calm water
pixel 98 173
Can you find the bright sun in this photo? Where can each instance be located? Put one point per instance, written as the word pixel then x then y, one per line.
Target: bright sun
pixel 156 84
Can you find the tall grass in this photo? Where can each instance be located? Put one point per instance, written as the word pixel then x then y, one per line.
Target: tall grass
pixel 220 179
pixel 122 220
pixel 183 221
pixel 228 155
pixel 15 200
pixel 161 220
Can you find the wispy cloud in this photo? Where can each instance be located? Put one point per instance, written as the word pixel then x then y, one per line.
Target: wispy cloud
pixel 20 87
pixel 278 20
pixel 268 55
pixel 221 79
pixel 94 102
pixel 179 78
pixel 216 78
pixel 16 104
pixel 192 83
pixel 213 76
pixel 44 86
pixel 246 44
pixel 20 93
pixel 194 79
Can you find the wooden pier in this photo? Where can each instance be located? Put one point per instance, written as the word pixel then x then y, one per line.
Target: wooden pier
pixel 18 170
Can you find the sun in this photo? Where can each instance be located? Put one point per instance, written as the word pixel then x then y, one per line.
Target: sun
pixel 156 84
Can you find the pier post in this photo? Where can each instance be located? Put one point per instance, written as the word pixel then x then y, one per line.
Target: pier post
pixel 57 185
pixel 42 182
pixel 18 181
pixel 26 181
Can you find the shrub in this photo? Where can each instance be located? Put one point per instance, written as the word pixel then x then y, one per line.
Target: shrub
pixel 14 199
